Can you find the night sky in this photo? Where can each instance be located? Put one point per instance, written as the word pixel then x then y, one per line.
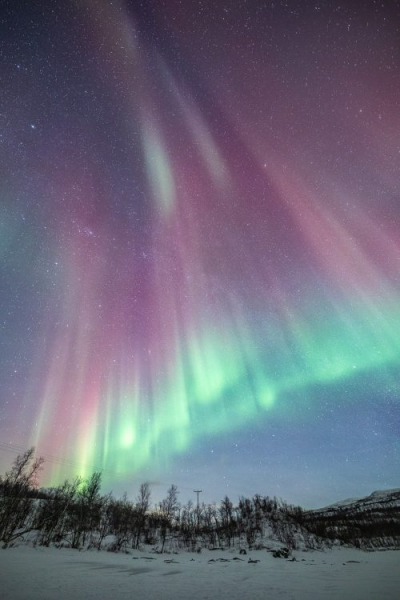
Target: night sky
pixel 200 244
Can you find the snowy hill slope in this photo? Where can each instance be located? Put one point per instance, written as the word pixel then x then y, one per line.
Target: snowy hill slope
pixel 369 522
pixel 386 497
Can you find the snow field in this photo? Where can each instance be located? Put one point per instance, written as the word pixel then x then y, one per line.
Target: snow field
pixel 28 573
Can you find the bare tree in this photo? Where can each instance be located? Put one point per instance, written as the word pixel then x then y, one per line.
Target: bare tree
pixel 53 511
pixel 142 506
pixel 227 520
pixel 16 496
pixel 188 525
pixel 85 512
pixel 121 514
pixel 210 524
pixel 104 527
pixel 168 509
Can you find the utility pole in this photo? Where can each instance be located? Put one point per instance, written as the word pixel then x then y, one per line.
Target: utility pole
pixel 198 492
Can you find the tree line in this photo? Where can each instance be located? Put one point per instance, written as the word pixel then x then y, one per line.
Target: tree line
pixel 76 514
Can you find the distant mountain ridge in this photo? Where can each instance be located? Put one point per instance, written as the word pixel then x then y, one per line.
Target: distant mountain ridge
pixel 369 522
pixel 378 496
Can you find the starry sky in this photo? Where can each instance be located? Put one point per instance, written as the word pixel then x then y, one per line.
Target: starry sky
pixel 200 244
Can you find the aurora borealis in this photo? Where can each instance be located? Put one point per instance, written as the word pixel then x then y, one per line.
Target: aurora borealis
pixel 200 244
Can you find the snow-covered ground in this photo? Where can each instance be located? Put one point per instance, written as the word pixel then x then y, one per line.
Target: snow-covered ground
pixel 28 573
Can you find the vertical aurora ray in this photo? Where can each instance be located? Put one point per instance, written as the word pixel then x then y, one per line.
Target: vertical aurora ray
pixel 159 171
pixel 203 257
